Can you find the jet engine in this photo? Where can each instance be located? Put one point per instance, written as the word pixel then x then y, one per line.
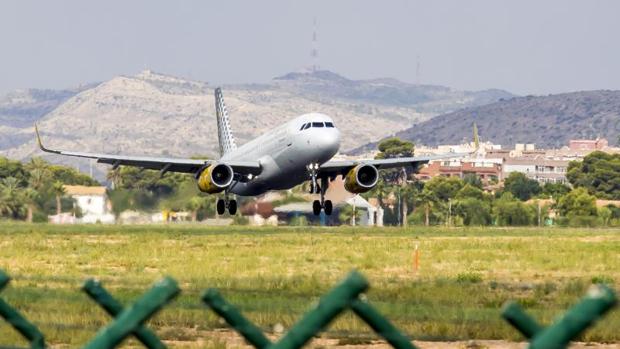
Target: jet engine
pixel 361 178
pixel 215 178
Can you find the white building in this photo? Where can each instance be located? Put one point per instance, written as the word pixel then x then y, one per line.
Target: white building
pixel 371 215
pixel 541 169
pixel 93 202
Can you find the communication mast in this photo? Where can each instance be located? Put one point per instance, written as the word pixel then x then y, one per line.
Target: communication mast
pixel 314 54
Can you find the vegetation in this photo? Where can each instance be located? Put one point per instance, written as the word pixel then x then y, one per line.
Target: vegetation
pixel 34 190
pixel 455 201
pixel 276 274
pixel 599 173
pixel 521 187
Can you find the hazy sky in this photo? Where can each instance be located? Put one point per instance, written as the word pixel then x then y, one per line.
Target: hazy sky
pixel 535 47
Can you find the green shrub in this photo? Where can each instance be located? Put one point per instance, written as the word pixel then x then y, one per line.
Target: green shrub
pixel 602 279
pixel 469 278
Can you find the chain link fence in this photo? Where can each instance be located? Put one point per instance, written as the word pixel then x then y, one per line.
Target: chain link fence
pixel 348 295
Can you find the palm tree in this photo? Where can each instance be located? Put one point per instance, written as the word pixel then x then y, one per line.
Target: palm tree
pixel 59 190
pixel 39 172
pixel 30 197
pixel 37 178
pixel 114 176
pixel 426 199
pixel 11 197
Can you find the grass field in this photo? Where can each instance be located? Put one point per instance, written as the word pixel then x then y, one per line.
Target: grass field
pixel 275 274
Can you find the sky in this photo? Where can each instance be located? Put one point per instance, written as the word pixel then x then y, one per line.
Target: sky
pixel 523 46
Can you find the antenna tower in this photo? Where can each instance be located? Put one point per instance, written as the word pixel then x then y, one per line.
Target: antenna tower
pixel 314 54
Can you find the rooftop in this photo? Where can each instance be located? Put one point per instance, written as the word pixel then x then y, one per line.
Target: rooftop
pixel 84 190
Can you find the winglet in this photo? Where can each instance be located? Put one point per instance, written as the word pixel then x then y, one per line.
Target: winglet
pixel 40 144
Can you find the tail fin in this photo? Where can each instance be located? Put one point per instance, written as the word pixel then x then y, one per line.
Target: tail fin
pixel 224 132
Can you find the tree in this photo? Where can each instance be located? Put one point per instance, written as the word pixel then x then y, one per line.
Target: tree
pixel 15 169
pixel 472 179
pixel 427 201
pixel 194 204
pixel 509 211
pixel 39 172
pixel 70 176
pixel 577 203
pixel 11 198
pixel 30 199
pixel 115 177
pixel 605 214
pixel 348 213
pixel 121 201
pixel 59 190
pixel 395 148
pixel 473 211
pixel 599 173
pixel 469 191
pixel 444 188
pixel 556 190
pixel 521 187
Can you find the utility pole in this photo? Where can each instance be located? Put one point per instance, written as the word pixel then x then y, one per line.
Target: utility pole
pixel 449 212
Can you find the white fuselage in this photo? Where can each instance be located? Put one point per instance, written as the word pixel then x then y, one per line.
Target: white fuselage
pixel 285 152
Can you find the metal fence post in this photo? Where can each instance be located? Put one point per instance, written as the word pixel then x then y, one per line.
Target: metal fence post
pixel 99 294
pixel 381 325
pixel 135 315
pixel 329 306
pixel 18 321
pixel 235 319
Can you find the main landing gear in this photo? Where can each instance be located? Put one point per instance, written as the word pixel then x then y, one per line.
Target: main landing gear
pixel 223 204
pixel 315 188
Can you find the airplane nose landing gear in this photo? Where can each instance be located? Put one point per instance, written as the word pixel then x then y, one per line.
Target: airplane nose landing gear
pixel 315 188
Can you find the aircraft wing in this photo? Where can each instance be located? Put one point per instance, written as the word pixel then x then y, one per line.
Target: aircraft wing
pixel 343 166
pixel 156 163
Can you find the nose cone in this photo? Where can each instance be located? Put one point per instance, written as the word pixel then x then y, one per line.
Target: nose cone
pixel 327 142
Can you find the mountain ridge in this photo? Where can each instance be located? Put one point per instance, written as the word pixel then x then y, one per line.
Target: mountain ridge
pixel 156 114
pixel 547 121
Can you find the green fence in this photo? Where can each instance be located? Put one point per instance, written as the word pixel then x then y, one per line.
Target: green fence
pixel 348 295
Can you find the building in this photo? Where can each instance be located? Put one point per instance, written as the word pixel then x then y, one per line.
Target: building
pixel 93 202
pixel 588 144
pixel 488 170
pixel 539 168
pixel 370 212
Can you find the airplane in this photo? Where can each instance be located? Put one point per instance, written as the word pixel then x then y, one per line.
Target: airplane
pixel 288 155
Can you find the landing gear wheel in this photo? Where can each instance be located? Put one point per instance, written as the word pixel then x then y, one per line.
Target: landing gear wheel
pixel 328 207
pixel 316 207
pixel 232 207
pixel 220 206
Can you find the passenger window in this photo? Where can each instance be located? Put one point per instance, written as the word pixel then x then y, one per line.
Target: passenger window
pixel 307 126
pixel 317 124
pixel 302 127
pixel 329 124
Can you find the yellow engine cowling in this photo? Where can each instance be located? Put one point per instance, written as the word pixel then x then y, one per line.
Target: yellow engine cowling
pixel 215 178
pixel 361 178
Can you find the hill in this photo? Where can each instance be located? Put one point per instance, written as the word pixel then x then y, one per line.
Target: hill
pixel 156 114
pixel 547 121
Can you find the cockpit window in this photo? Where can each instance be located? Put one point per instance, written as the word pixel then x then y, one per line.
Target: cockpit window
pixel 329 124
pixel 317 124
pixel 302 127
pixel 307 126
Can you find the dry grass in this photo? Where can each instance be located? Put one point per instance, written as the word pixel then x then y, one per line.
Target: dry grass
pixel 274 274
